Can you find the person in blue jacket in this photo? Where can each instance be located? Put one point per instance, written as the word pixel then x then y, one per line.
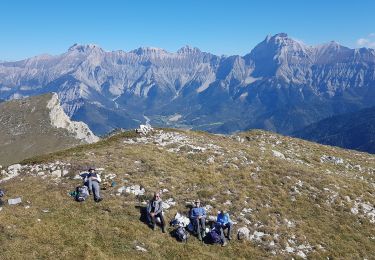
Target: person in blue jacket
pixel 198 218
pixel 223 222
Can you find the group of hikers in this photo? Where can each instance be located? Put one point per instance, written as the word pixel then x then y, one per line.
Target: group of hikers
pixel 197 214
pixel 197 218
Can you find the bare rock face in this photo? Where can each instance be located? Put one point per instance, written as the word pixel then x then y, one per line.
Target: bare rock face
pixel 60 120
pixel 37 125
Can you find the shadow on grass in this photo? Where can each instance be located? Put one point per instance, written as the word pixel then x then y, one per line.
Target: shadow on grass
pixel 143 215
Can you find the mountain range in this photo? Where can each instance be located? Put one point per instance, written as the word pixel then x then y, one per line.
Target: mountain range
pixel 282 85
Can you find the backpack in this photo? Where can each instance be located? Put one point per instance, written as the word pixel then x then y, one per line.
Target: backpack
pixel 181 234
pixel 2 193
pixel 215 236
pixel 82 193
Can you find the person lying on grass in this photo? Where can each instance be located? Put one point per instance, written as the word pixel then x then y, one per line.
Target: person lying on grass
pixel 93 182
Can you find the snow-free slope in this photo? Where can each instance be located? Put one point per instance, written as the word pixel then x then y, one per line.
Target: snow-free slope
pixel 298 199
pixel 352 130
pixel 37 125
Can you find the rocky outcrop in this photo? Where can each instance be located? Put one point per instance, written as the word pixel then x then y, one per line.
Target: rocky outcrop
pixel 60 120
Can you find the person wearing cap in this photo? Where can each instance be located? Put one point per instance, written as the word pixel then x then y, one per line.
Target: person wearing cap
pixel 223 222
pixel 198 218
pixel 155 210
pixel 93 180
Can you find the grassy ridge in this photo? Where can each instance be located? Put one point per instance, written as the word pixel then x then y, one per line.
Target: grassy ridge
pixel 264 183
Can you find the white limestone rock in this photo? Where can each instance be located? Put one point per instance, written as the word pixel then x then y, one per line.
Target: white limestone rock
pixel 243 233
pixel 60 120
pixel 278 154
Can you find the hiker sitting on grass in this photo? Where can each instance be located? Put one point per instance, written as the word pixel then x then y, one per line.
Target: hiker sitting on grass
pixel 93 181
pixel 223 222
pixel 154 211
pixel 198 218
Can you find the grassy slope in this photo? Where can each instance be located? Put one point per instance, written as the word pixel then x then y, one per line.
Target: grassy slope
pixel 113 228
pixel 34 135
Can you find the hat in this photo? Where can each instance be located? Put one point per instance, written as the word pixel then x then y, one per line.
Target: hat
pixel 91 168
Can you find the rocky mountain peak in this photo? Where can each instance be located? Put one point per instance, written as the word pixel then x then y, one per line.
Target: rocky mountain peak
pixel 188 50
pixel 278 52
pixel 148 51
pixel 84 48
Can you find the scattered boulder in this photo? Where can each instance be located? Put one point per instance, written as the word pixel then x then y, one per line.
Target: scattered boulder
pixel 278 154
pixel 144 129
pixel 243 233
pixel 331 159
pixel 14 201
pixel 210 160
pixel 56 174
pixel 257 236
pixel 134 189
pixel 141 249
pixel 168 203
pixel 15 167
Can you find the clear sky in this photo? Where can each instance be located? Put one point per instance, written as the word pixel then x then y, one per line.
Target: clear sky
pixel 32 27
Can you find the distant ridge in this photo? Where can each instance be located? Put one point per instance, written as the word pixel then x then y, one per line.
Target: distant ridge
pixel 353 131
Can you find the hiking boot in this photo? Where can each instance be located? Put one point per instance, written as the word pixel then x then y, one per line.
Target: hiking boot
pixel 224 243
pixel 229 237
pixel 163 230
pixel 90 192
pixel 98 199
pixel 154 227
pixel 200 237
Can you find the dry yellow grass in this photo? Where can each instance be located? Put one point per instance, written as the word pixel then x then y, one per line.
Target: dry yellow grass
pixel 112 229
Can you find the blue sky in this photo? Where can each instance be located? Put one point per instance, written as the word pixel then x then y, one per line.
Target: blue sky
pixel 29 28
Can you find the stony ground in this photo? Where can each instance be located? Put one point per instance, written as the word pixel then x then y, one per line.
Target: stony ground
pixel 298 199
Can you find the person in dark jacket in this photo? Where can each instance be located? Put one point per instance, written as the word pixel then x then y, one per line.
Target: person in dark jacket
pixel 154 211
pixel 198 218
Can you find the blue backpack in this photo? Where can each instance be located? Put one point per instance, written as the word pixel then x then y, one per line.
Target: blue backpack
pixel 215 236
